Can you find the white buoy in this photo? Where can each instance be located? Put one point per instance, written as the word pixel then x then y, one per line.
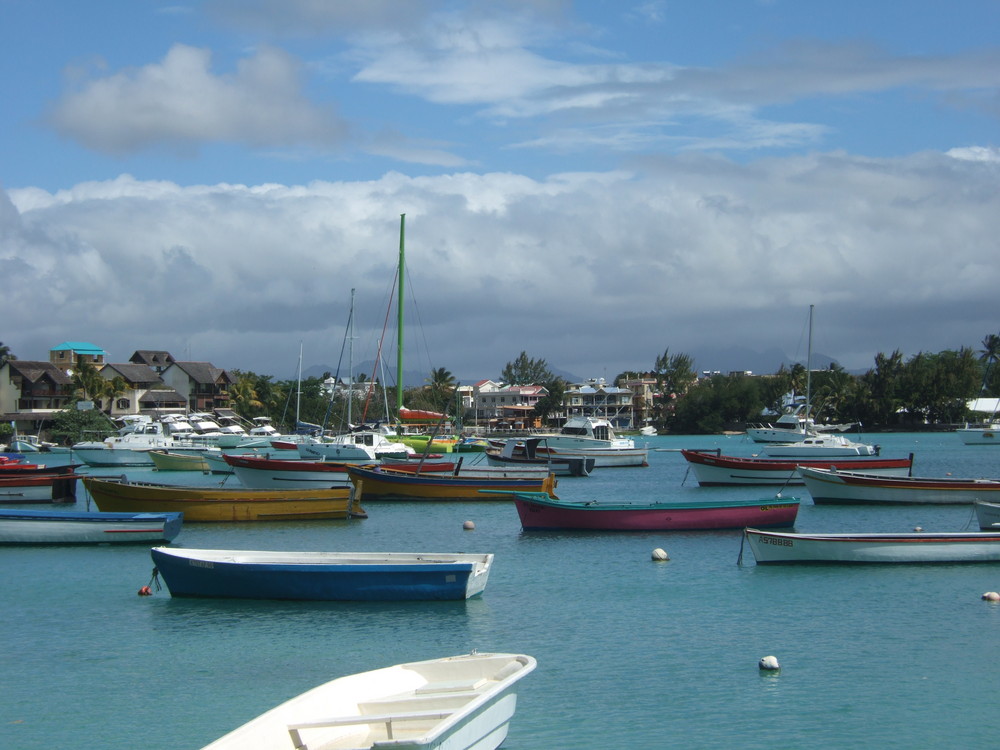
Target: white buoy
pixel 469 526
pixel 991 596
pixel 917 529
pixel 660 554
pixel 769 664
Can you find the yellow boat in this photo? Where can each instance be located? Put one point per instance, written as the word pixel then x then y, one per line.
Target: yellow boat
pixel 381 483
pixel 222 504
pixel 169 461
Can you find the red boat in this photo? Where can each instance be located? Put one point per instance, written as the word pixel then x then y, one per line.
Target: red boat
pixel 419 415
pixel 713 469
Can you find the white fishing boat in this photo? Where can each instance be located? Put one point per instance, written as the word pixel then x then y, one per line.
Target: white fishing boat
pixel 455 703
pixel 772 547
pixel 805 440
pixel 593 437
pixel 83 527
pixel 819 446
pixel 988 514
pixel 712 469
pixel 983 434
pixel 835 486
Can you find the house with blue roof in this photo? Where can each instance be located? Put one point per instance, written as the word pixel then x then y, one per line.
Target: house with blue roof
pixel 70 354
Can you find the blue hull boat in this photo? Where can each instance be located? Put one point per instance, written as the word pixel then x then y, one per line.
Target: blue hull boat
pixel 321 576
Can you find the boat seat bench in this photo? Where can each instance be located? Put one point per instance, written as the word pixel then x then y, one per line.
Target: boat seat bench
pixel 452 686
pixel 344 721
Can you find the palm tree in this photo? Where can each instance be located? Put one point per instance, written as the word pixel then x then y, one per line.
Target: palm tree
pixel 989 354
pixel 5 354
pixel 442 387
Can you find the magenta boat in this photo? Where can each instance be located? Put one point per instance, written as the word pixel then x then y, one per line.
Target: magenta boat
pixel 539 511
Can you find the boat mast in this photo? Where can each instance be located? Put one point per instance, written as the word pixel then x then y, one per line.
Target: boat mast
pixel 350 363
pixel 809 355
pixel 399 320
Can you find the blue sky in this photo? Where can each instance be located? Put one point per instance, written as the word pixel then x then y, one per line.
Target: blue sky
pixel 590 182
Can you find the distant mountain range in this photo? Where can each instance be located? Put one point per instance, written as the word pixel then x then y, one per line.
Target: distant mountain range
pixel 734 359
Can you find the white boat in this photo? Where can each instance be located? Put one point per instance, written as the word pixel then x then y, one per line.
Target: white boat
pixel 593 437
pixel 364 445
pixel 129 448
pixel 807 441
pixel 81 527
pixel 712 469
pixel 455 703
pixel 792 426
pixel 987 514
pixel 819 446
pixel 984 434
pixel 834 486
pixel 770 547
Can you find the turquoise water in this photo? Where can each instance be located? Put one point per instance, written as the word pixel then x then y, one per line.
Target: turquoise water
pixel 631 653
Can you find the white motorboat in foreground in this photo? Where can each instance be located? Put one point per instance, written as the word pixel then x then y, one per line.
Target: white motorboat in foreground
pixel 919 547
pixel 454 703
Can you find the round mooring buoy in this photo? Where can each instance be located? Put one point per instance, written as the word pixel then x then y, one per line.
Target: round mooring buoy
pixel 991 596
pixel 917 529
pixel 769 664
pixel 469 526
pixel 660 555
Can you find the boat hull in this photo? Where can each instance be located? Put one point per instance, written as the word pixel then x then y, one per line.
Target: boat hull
pixel 455 703
pixel 322 576
pixel 169 461
pixel 203 504
pixel 267 473
pixel 377 484
pixel 38 488
pixel 988 515
pixel 714 470
pixel 602 457
pixel 57 527
pixel 113 456
pixel 776 548
pixel 980 435
pixel 837 487
pixel 541 514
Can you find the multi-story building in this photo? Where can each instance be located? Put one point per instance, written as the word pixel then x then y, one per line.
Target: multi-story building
pixel 595 398
pixel 32 391
pixel 501 406
pixel 204 386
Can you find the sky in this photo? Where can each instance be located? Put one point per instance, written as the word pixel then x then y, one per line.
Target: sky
pixel 591 183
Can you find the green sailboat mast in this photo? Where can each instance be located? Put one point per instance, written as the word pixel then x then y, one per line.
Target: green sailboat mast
pixel 399 319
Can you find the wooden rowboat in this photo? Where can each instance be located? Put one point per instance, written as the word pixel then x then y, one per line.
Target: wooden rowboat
pixel 170 461
pixel 454 703
pixel 712 469
pixel 771 547
pixel 322 576
pixel 38 487
pixel 270 473
pixel 829 486
pixel 380 483
pixel 80 527
pixel 538 511
pixel 222 504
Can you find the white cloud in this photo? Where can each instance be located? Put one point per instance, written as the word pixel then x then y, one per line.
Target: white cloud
pixel 589 270
pixel 181 102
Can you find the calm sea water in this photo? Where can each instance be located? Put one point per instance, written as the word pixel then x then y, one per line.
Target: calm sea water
pixel 631 653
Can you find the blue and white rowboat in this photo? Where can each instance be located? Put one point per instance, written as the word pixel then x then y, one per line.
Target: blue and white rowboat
pixel 323 576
